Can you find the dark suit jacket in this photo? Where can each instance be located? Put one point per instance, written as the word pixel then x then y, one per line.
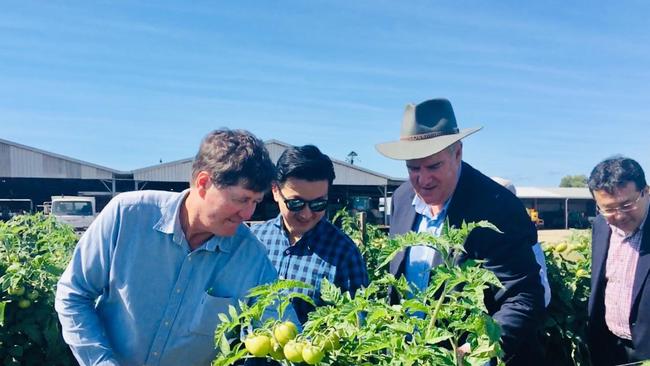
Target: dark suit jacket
pixel 601 340
pixel 519 306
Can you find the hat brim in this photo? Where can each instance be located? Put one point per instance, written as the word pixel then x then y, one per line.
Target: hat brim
pixel 408 150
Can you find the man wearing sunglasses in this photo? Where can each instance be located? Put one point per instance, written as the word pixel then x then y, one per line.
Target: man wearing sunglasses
pixel 619 304
pixel 300 242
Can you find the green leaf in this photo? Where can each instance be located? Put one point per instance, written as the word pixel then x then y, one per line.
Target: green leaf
pixel 230 359
pixel 438 335
pixel 402 327
pixel 329 292
pixel 223 318
pixel 224 345
pixel 232 311
pixel 370 345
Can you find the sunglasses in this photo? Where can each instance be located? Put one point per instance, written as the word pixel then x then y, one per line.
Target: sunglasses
pixel 297 204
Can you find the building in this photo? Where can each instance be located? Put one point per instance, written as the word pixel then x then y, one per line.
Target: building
pixel 354 187
pixel 559 207
pixel 27 173
pixel 30 174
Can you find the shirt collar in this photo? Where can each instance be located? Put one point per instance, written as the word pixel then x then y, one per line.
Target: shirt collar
pixel 170 223
pixel 423 209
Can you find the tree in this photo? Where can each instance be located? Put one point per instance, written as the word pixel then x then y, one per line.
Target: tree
pixel 579 180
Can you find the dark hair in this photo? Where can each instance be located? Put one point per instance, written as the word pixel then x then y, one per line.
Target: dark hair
pixel 304 162
pixel 234 157
pixel 614 173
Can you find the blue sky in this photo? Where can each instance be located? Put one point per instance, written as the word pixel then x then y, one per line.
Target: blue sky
pixel 556 85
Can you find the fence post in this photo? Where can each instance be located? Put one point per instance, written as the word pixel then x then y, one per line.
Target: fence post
pixel 362 220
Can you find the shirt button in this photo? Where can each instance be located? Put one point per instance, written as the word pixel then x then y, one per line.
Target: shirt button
pixel 281 277
pixel 189 259
pixel 155 354
pixel 178 290
pixel 166 324
pixel 287 251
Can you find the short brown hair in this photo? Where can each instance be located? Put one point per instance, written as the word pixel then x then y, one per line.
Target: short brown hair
pixel 234 157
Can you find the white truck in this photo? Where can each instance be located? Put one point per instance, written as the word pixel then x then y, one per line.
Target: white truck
pixel 76 211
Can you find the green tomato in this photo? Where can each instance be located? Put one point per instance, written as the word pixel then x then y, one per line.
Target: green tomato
pixel 258 346
pixel 284 332
pixel 24 303
pixel 561 247
pixel 32 295
pixel 331 342
pixel 293 351
pixel 17 291
pixel 312 354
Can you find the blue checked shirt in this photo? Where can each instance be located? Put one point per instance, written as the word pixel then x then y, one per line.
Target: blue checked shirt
pixel 135 294
pixel 322 252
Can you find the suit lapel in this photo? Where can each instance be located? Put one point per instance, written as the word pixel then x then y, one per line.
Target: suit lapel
pixel 459 196
pixel 643 266
pixel 599 248
pixel 401 223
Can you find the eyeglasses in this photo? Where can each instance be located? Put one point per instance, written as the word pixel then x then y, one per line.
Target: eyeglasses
pixel 297 204
pixel 610 212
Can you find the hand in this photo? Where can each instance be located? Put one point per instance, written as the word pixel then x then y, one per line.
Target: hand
pixel 463 350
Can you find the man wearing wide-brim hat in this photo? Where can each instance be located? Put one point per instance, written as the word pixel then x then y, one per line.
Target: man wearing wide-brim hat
pixel 443 187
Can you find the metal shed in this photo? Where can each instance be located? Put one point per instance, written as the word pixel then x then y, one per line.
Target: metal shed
pixel 351 180
pixel 20 161
pixel 560 207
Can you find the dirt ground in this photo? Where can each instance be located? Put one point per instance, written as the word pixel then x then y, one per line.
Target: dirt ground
pixel 553 236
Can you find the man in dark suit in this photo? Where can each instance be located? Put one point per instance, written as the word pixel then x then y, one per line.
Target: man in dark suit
pixel 619 305
pixel 443 187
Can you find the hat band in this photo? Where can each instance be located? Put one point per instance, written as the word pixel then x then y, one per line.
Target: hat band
pixel 428 135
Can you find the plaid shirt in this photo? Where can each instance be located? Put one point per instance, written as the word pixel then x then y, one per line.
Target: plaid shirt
pixel 322 252
pixel 620 269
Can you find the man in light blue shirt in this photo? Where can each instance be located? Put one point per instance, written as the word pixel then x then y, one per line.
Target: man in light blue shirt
pixel 151 274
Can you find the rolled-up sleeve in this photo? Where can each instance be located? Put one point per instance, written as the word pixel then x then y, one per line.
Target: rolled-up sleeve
pixel 83 281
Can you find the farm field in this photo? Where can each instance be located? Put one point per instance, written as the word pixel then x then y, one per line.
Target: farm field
pixel 555 236
pixel 35 249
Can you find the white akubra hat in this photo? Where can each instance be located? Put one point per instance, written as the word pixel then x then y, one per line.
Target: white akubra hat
pixel 427 128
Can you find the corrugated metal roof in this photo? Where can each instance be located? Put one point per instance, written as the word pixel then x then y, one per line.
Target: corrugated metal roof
pixel 346 174
pixel 554 192
pixel 20 161
pixel 174 171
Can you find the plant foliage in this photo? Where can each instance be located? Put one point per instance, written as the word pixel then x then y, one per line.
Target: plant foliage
pixel 34 250
pixel 426 328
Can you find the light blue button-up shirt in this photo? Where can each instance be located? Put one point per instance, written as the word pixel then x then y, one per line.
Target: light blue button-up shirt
pixel 135 294
pixel 420 257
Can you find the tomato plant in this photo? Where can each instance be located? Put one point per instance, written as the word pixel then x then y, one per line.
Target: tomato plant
pixel 34 250
pixel 426 328
pixel 565 327
pixel 284 332
pixel 312 355
pixel 371 241
pixel 293 351
pixel 258 345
